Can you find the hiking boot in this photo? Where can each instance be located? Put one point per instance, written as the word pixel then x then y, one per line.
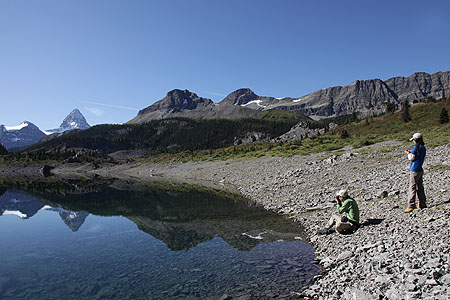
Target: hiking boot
pixel 421 206
pixel 409 209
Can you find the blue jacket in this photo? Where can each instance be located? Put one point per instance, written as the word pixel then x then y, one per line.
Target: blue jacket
pixel 416 165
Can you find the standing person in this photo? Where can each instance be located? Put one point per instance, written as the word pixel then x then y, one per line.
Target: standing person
pixel 416 156
pixel 345 224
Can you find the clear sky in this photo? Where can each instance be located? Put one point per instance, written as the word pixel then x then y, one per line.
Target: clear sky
pixel 110 58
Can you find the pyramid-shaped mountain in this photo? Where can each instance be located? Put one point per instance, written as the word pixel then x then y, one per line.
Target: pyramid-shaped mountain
pixel 74 120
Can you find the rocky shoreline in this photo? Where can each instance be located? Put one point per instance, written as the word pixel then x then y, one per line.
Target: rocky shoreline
pixel 394 255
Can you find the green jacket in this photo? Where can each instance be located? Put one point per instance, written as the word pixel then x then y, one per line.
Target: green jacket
pixel 350 208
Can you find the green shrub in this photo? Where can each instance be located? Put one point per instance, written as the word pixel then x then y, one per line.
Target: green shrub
pixel 345 134
pixel 443 118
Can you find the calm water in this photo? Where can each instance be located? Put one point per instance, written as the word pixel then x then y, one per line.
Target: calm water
pixel 124 241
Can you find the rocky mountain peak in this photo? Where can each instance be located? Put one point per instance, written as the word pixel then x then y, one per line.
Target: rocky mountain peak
pixel 240 97
pixel 74 120
pixel 175 102
pixel 24 134
pixel 21 126
pixel 181 99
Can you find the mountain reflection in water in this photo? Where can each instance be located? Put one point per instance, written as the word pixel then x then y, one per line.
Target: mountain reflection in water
pixel 25 206
pixel 158 241
pixel 181 218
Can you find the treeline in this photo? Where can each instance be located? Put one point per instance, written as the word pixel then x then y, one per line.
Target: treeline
pixel 167 135
pixel 38 155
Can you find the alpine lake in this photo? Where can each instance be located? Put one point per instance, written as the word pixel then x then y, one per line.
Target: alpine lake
pixel 108 239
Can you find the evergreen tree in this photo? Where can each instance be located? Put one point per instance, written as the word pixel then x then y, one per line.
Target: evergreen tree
pixel 3 150
pixel 405 115
pixel 444 116
pixel 443 98
pixel 344 134
pixel 390 108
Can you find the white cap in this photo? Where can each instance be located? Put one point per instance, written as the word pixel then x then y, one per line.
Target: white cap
pixel 416 136
pixel 342 193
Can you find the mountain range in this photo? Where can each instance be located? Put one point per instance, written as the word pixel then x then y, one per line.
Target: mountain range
pixel 366 97
pixel 26 133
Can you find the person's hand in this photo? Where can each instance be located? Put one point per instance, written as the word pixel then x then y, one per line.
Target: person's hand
pixel 407 151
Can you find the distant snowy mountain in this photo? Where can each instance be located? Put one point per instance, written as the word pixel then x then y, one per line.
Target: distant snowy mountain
pixel 74 120
pixel 24 134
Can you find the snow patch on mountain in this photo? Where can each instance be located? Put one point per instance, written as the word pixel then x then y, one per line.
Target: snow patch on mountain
pixel 257 102
pixel 18 127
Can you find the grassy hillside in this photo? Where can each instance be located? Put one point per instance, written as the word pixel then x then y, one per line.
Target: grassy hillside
pixel 283 116
pixel 188 139
pixel 425 119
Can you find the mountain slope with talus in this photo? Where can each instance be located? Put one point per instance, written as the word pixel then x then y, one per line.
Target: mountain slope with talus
pixel 365 97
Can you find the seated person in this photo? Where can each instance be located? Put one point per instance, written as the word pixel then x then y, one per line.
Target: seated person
pixel 345 224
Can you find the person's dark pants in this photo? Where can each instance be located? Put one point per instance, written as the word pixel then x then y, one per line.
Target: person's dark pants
pixel 416 186
pixel 341 227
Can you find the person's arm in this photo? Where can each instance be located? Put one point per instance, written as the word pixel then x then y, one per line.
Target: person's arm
pixel 344 207
pixel 412 154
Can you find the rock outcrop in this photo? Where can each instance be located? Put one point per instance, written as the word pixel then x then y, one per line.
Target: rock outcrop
pixel 299 132
pixel 420 85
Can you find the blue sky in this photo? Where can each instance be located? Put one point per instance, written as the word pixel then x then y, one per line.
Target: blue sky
pixel 110 58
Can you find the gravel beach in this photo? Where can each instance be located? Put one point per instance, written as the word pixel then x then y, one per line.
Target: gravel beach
pixel 394 255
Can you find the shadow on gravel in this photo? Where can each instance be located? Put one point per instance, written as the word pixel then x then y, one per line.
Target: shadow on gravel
pixel 440 203
pixel 370 222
